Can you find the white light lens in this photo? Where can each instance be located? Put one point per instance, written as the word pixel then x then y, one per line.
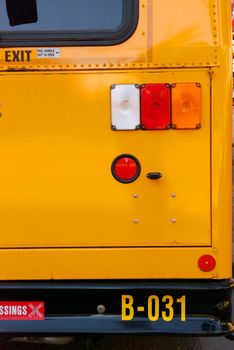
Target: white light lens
pixel 125 107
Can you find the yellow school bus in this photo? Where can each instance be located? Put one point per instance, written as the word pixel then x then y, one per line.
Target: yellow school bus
pixel 115 181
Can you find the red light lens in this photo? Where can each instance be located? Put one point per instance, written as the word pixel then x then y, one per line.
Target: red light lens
pixel 155 106
pixel 126 168
pixel 206 263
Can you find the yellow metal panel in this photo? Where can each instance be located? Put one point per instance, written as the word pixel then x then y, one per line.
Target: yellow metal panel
pixel 169 34
pixel 186 33
pixel 222 147
pixel 143 263
pixel 57 147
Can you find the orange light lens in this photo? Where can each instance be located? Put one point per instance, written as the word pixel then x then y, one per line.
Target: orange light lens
pixel 206 263
pixel 186 106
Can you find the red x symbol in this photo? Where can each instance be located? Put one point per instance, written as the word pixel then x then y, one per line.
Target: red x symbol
pixel 36 311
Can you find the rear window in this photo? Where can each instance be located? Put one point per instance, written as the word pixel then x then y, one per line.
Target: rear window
pixel 66 22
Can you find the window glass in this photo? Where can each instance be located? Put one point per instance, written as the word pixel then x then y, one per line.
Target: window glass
pixel 68 15
pixel 68 22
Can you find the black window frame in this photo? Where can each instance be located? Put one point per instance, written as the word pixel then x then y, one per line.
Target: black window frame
pixel 77 38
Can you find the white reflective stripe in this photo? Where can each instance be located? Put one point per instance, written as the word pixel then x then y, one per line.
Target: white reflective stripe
pixel 125 107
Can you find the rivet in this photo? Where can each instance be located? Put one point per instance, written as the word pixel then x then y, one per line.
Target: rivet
pixel 136 195
pixel 101 309
pixel 173 195
pixel 173 220
pixel 136 221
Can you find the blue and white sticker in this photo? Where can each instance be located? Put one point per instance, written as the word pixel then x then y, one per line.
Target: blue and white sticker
pixel 48 52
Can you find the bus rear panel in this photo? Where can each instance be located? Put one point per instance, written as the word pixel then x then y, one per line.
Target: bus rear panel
pixel 115 182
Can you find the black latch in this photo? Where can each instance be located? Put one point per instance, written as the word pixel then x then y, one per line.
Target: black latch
pixel 154 176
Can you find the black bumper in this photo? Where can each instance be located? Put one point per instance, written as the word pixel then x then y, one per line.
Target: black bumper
pixel 71 307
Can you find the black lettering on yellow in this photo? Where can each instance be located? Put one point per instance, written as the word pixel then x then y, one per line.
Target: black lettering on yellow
pixel 22 56
pixel 8 56
pixel 15 56
pixel 18 55
pixel 28 55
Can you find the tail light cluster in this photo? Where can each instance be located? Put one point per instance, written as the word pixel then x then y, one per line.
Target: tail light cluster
pixel 156 106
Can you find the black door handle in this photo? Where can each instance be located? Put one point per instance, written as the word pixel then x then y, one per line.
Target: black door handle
pixel 154 176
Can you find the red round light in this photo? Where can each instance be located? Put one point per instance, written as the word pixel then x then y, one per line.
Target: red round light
pixel 125 168
pixel 206 263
